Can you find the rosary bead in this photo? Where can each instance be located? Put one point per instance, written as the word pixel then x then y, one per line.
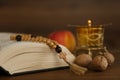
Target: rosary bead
pixel 44 40
pixel 33 39
pixel 22 37
pixel 54 46
pixel 12 37
pixel 48 41
pixel 26 37
pixel 55 42
pixel 37 39
pixel 40 39
pixel 18 37
pixel 29 37
pixel 58 49
pixel 51 44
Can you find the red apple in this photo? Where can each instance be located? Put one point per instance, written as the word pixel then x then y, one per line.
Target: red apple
pixel 65 38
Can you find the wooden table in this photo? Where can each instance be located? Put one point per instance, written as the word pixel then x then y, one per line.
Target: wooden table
pixel 112 73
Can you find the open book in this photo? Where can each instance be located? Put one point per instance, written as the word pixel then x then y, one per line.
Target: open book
pixel 22 57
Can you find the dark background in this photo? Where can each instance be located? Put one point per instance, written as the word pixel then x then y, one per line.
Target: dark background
pixel 44 16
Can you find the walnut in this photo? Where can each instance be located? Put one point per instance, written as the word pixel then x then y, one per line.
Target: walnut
pixel 99 63
pixel 110 58
pixel 83 60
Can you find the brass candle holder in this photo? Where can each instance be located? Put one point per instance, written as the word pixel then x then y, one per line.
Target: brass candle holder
pixel 90 36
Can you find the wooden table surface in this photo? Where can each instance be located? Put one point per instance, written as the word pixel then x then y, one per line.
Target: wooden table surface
pixel 112 73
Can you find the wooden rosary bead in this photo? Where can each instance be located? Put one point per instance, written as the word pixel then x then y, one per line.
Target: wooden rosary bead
pixel 12 37
pixel 51 44
pixel 26 37
pixel 33 39
pixel 29 38
pixel 40 39
pixel 44 40
pixel 37 39
pixel 22 37
pixel 54 46
pixel 48 41
pixel 55 42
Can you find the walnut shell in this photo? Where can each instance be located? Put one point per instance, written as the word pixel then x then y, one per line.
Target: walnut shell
pixel 110 58
pixel 83 59
pixel 99 63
